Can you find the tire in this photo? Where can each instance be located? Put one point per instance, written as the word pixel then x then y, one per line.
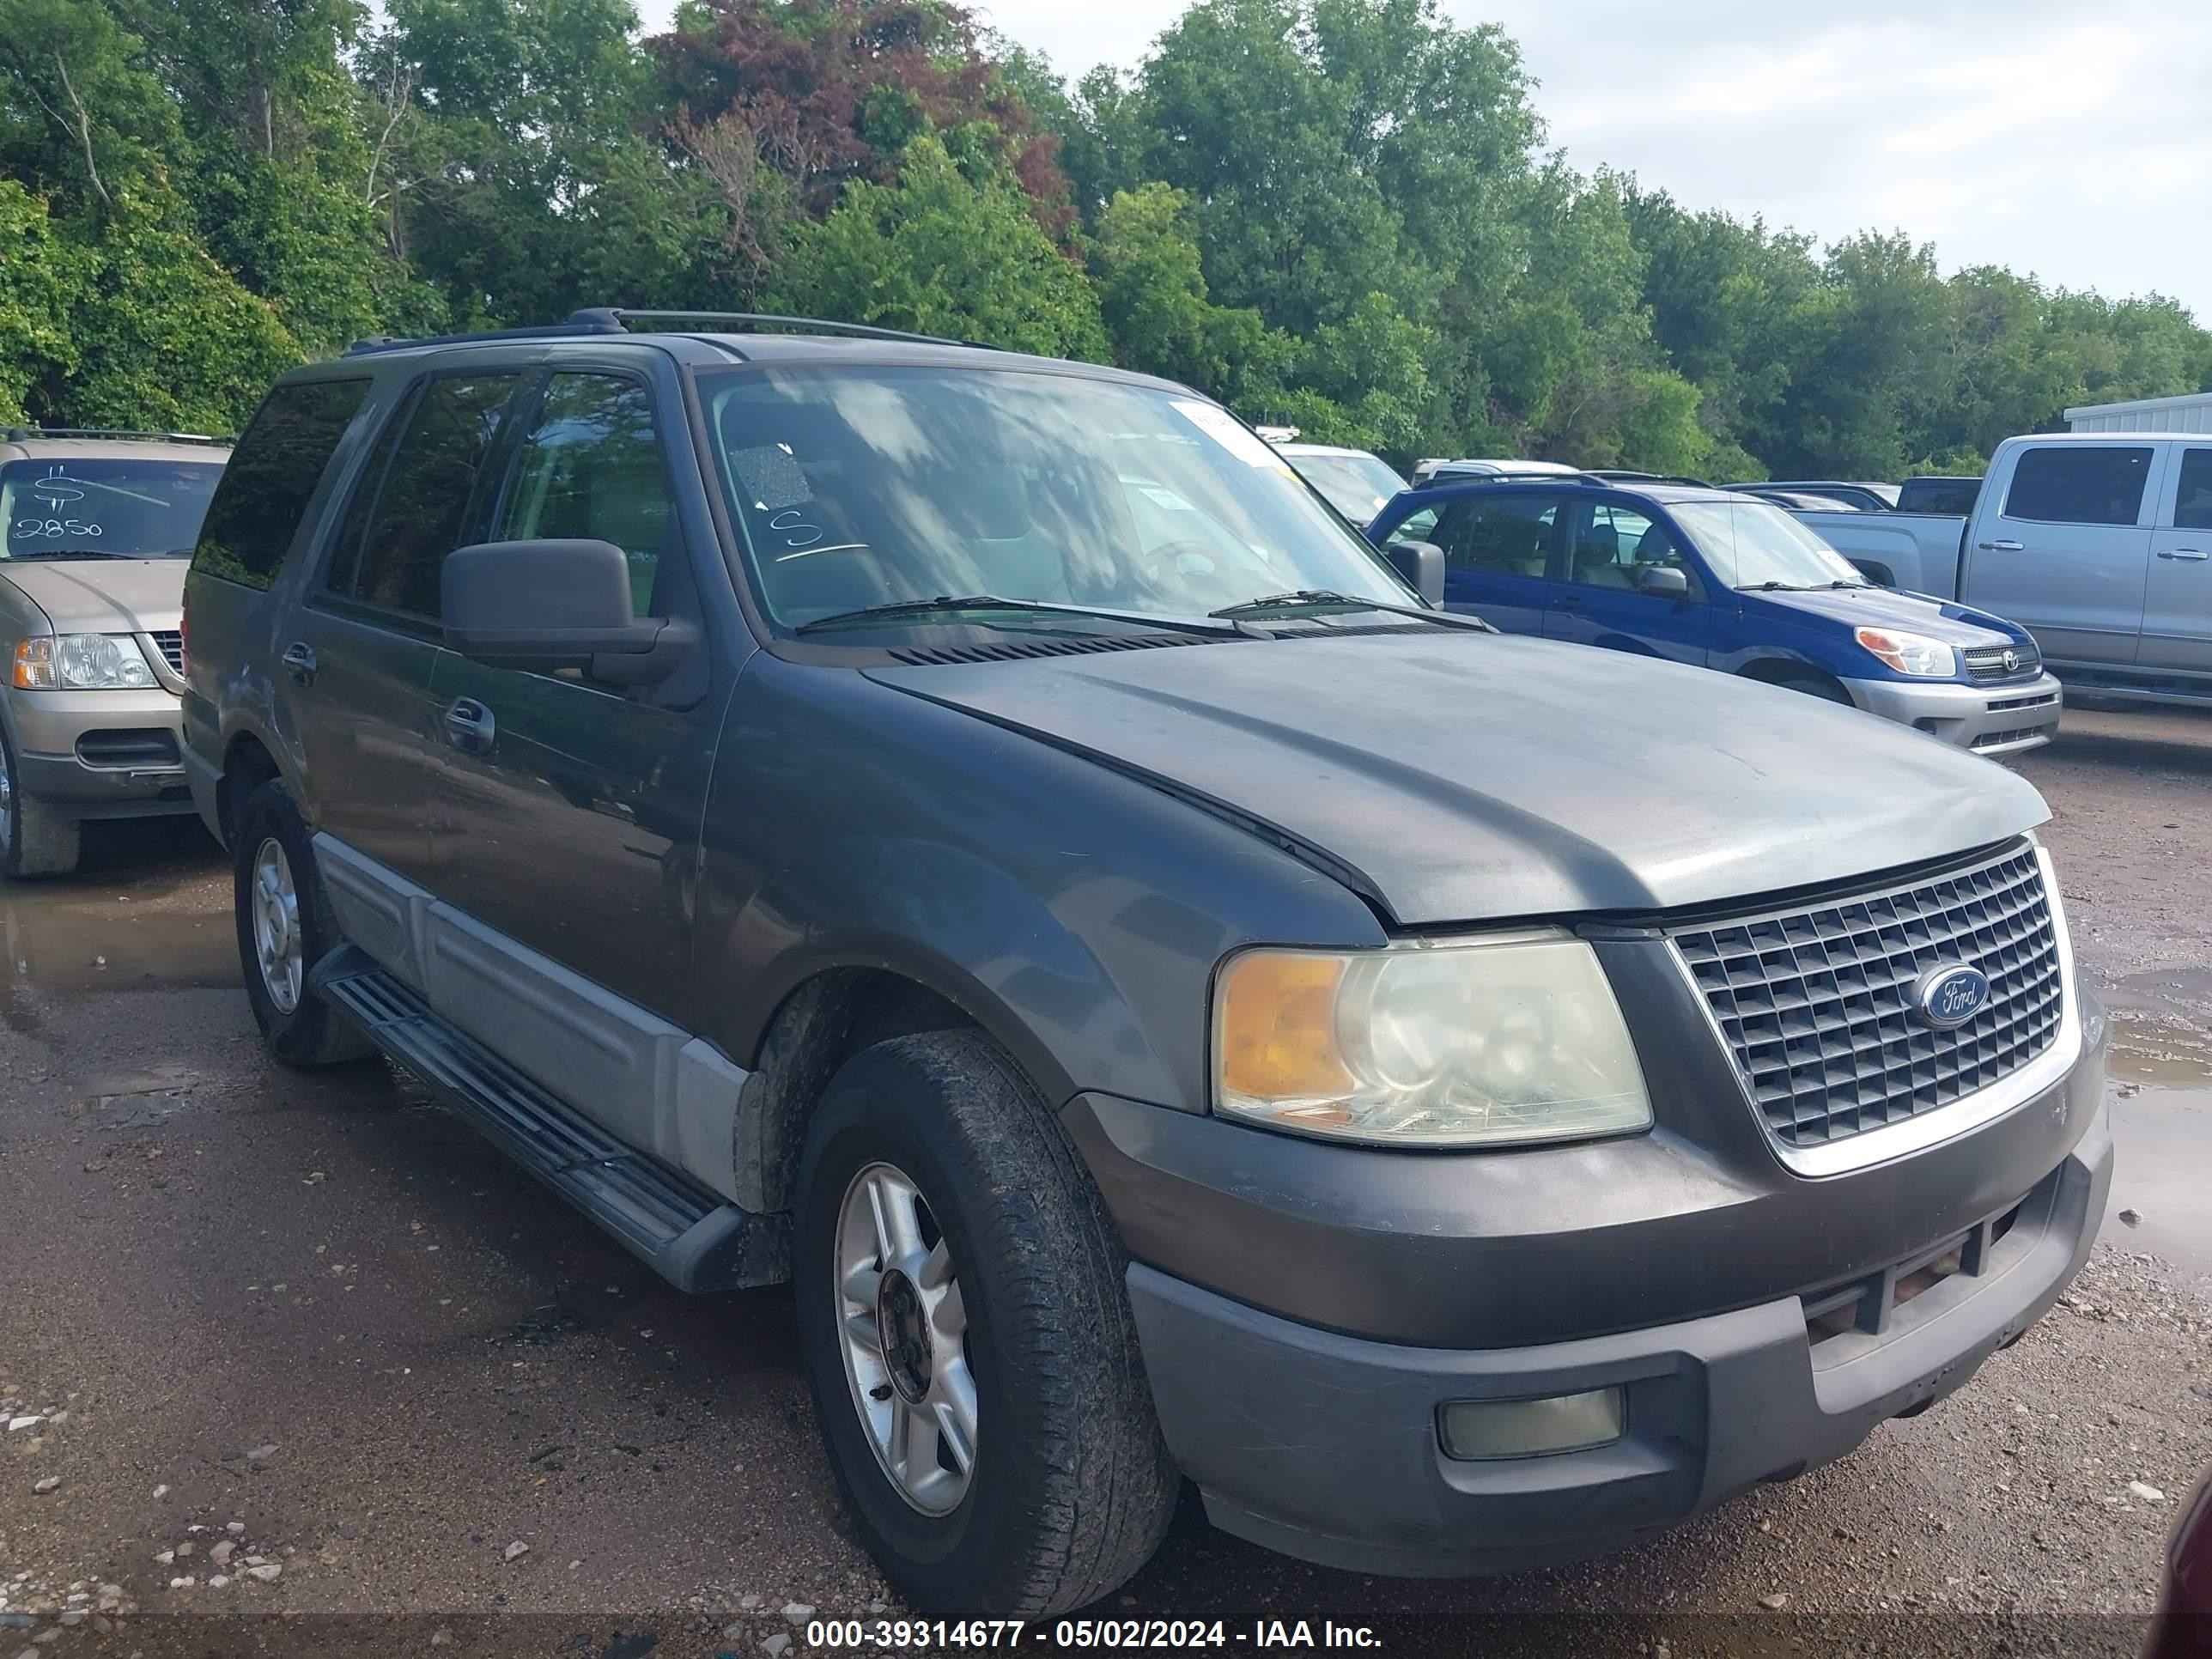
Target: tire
pixel 1814 685
pixel 299 1027
pixel 34 840
pixel 1072 1487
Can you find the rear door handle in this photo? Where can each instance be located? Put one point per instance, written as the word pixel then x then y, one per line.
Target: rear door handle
pixel 2183 553
pixel 2003 547
pixel 470 727
pixel 299 660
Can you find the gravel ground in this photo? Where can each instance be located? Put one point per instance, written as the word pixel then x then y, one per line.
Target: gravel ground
pixel 307 1368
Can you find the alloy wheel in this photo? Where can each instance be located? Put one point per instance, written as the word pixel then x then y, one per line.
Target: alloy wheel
pixel 903 1325
pixel 277 944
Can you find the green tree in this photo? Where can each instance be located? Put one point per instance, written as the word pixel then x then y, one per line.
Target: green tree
pixel 1151 295
pixel 940 253
pixel 38 281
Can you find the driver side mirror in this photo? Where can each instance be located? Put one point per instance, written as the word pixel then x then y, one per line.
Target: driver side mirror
pixel 544 605
pixel 1662 581
pixel 1421 564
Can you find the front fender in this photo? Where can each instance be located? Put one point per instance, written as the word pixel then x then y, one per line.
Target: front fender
pixel 947 918
pixel 1074 912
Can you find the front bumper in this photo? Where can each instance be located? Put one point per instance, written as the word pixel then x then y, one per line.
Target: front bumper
pixel 1989 720
pixel 1324 1446
pixel 99 754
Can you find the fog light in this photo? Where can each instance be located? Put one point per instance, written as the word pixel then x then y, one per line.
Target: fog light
pixel 1474 1428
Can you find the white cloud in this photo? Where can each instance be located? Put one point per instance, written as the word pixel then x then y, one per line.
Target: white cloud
pixel 2053 138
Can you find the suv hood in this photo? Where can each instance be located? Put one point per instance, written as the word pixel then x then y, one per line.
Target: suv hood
pixel 1890 607
pixel 1470 777
pixel 103 596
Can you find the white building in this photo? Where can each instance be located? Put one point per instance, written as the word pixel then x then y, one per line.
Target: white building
pixel 2191 412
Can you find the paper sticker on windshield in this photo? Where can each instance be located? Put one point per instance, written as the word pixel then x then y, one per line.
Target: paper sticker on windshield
pixel 1222 428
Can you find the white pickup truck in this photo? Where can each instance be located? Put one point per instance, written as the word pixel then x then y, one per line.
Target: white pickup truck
pixel 2099 544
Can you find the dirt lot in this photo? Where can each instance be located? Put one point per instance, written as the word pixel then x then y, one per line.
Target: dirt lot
pixel 317 1321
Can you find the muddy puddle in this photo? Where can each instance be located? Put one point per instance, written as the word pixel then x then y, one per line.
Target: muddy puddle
pixel 2160 1087
pixel 61 941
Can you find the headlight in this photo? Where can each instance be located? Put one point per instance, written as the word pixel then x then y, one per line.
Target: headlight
pixel 1910 654
pixel 1484 1044
pixel 82 662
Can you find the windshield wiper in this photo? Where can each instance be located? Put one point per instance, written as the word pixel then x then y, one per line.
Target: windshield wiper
pixel 898 608
pixel 1306 598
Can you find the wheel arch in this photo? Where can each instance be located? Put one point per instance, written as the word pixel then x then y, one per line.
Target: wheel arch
pixel 247 764
pixel 821 1023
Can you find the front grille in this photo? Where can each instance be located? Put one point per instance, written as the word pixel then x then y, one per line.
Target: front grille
pixel 1816 1003
pixel 172 647
pixel 1986 663
pixel 2040 700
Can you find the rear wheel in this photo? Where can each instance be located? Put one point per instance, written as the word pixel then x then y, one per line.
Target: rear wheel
pixel 966 1336
pixel 284 928
pixel 34 840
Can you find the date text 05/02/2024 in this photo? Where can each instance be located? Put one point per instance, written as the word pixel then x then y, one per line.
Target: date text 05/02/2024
pixel 892 1634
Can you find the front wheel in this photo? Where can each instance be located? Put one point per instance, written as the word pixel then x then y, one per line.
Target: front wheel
pixel 967 1339
pixel 34 839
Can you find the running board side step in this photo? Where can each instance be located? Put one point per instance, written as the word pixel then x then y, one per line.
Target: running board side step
pixel 695 1239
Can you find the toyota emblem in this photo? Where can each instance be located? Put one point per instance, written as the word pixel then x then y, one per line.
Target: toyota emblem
pixel 2011 661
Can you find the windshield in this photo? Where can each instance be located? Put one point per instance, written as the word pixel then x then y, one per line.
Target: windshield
pixel 104 506
pixel 865 487
pixel 1356 485
pixel 1756 544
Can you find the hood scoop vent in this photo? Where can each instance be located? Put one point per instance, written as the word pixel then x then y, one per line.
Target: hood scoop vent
pixel 1015 650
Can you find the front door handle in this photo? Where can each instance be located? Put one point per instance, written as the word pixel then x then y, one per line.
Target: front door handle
pixel 299 660
pixel 2183 553
pixel 470 727
pixel 1567 601
pixel 2003 547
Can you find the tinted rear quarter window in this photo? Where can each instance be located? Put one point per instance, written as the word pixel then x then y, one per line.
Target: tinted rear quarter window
pixel 264 494
pixel 2083 483
pixel 2192 506
pixel 1951 498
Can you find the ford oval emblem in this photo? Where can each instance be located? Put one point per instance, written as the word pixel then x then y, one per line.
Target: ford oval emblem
pixel 1949 995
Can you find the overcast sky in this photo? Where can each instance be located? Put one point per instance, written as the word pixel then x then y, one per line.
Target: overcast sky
pixel 2056 139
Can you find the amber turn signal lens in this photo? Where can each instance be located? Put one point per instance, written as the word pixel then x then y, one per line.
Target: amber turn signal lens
pixel 1278 1027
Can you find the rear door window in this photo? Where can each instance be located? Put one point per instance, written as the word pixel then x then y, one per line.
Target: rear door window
pixel 264 488
pixel 2083 483
pixel 430 499
pixel 1498 535
pixel 2192 504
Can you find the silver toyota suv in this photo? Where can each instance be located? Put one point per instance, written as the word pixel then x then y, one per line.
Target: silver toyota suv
pixel 100 527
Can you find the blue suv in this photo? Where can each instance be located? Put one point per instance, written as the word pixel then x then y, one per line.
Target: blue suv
pixel 1709 577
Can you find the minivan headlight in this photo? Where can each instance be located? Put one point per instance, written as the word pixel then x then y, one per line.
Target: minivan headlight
pixel 82 662
pixel 1488 1043
pixel 1910 654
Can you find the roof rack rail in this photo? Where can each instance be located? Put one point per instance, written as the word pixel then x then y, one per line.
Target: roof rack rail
pixel 582 323
pixel 1510 475
pixel 18 434
pixel 616 320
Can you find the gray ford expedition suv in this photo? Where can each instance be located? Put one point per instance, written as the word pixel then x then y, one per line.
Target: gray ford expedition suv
pixel 976 838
